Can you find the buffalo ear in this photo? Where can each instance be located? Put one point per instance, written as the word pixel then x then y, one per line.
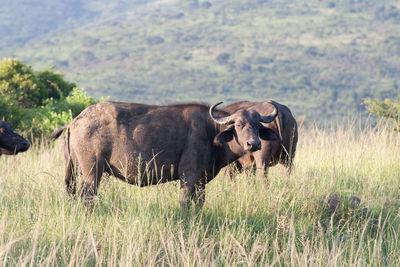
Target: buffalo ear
pixel 268 134
pixel 224 136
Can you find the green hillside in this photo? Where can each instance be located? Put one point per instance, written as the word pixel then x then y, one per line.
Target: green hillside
pixel 319 57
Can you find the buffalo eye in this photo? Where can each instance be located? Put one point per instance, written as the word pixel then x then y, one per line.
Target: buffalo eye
pixel 239 125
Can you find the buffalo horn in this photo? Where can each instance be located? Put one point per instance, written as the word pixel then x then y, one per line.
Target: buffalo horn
pixel 220 120
pixel 269 118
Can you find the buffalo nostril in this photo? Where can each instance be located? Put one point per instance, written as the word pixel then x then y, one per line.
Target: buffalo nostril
pixel 24 146
pixel 252 146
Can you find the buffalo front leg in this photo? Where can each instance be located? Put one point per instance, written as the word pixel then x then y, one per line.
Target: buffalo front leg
pixel 192 190
pixel 192 174
pixel 232 169
pixel 261 164
pixel 262 159
pixel 286 169
pixel 262 172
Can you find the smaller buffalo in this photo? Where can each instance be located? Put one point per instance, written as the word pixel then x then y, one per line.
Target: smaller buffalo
pixel 272 152
pixel 10 142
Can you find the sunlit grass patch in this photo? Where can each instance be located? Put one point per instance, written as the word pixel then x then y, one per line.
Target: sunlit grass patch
pixel 308 218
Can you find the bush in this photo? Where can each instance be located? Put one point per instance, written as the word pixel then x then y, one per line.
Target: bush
pixel 387 109
pixel 10 111
pixel 18 83
pixel 75 102
pixel 53 84
pixel 30 88
pixel 37 102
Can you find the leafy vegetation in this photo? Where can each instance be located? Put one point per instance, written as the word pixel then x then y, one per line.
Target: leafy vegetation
pixel 320 57
pixel 290 221
pixel 387 109
pixel 36 102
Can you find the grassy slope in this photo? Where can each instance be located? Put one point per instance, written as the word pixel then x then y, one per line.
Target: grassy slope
pixel 242 222
pixel 318 59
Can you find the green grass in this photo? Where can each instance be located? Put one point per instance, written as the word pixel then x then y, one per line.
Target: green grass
pixel 243 222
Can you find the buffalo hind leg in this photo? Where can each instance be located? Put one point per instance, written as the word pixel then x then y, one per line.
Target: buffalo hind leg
pixel 70 177
pixel 91 176
pixel 287 164
pixel 287 167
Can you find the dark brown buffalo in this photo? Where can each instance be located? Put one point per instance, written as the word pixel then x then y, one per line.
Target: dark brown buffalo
pixel 10 142
pixel 147 144
pixel 272 151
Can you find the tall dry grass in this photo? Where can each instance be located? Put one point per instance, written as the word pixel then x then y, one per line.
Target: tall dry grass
pixel 243 222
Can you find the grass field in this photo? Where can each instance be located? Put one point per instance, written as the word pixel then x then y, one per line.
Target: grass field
pixel 243 222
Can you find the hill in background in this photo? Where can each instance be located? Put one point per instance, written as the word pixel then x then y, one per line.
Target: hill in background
pixel 319 57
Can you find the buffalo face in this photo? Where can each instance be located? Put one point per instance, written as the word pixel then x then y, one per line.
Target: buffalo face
pixel 10 142
pixel 245 129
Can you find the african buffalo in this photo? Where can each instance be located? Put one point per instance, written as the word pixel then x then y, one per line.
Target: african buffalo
pixel 272 151
pixel 149 144
pixel 10 142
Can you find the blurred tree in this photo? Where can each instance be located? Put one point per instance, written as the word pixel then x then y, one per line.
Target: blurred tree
pixel 387 109
pixel 53 84
pixel 18 83
pixel 223 58
pixel 28 88
pixel 37 101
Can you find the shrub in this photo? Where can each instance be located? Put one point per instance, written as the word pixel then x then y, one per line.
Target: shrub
pixel 387 109
pixel 53 84
pixel 37 102
pixel 18 83
pixel 29 88
pixel 75 102
pixel 10 111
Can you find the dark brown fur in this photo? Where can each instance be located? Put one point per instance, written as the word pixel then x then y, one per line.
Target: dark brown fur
pixel 10 142
pixel 147 144
pixel 272 151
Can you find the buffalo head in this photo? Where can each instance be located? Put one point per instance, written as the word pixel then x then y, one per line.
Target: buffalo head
pixel 10 142
pixel 244 126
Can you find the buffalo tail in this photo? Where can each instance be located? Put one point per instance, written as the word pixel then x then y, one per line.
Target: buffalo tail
pixel 57 133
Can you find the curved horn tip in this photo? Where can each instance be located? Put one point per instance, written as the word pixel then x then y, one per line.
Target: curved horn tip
pixel 213 107
pixel 220 120
pixel 272 102
pixel 275 112
pixel 269 118
pixel 216 104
